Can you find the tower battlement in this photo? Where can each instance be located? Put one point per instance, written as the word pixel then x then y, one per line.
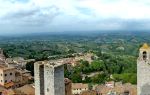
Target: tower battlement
pixel 51 63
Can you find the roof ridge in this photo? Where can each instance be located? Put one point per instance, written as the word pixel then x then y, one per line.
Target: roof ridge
pixel 145 46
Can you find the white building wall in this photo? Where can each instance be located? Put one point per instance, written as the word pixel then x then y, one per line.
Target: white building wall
pixel 79 90
pixel 49 80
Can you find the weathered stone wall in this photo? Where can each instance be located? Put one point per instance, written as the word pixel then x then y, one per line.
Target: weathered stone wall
pixel 42 85
pixel 37 79
pixel 59 81
pixel 143 77
pixel 49 80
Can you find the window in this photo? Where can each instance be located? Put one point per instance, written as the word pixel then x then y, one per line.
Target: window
pixel 10 73
pixel 5 74
pixel 47 89
pixel 144 55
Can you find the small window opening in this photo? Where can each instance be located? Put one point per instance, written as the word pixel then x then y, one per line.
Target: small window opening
pixel 144 55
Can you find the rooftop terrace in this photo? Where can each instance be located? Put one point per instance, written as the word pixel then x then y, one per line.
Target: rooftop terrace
pixel 52 63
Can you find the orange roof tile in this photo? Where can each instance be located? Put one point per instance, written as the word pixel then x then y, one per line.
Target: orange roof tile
pixel 145 46
pixel 79 85
pixel 7 85
pixel 27 89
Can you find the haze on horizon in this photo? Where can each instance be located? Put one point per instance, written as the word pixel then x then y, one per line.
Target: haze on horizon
pixel 36 16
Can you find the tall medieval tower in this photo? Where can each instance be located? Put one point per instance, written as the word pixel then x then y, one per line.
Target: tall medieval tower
pixel 143 70
pixel 49 78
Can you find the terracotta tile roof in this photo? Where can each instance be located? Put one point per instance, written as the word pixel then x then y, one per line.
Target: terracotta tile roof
pixel 8 92
pixel 118 89
pixel 103 89
pixel 2 88
pixel 4 67
pixel 27 89
pixel 79 86
pixel 10 84
pixel 89 93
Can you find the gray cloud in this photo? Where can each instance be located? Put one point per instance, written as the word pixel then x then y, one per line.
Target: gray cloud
pixel 35 16
pixel 21 14
pixel 49 17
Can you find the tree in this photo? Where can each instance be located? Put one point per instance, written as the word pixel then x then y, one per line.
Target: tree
pixel 100 78
pixel 126 77
pixel 76 78
pixel 84 63
pixel 87 80
pixel 97 65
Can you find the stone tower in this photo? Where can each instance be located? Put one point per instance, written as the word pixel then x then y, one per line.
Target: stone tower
pixel 143 70
pixel 2 56
pixel 49 78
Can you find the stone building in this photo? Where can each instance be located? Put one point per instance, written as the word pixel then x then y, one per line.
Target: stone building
pixel 22 77
pixel 49 78
pixel 143 70
pixel 78 88
pixel 11 77
pixel 117 89
pixel 7 75
pixel 24 90
pixel 89 92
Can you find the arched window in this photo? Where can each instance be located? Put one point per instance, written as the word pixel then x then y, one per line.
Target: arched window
pixel 144 55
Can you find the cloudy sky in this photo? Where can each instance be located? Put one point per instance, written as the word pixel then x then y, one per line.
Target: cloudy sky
pixel 26 16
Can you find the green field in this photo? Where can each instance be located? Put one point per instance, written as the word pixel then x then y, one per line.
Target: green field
pixel 117 52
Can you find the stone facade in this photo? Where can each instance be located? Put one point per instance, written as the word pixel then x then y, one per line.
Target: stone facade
pixel 143 71
pixel 78 88
pixel 11 77
pixel 49 78
pixel 7 75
